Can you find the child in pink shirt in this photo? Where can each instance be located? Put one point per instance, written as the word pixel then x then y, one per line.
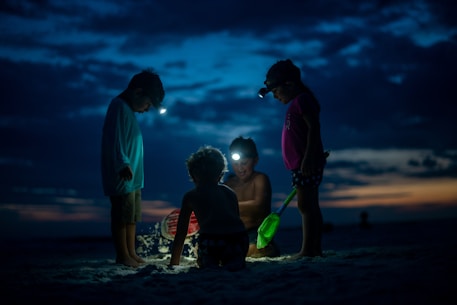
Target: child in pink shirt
pixel 302 148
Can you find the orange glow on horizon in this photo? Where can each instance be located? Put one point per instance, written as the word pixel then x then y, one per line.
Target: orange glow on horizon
pixel 53 213
pixel 382 191
pixel 155 210
pixel 405 192
pixel 81 210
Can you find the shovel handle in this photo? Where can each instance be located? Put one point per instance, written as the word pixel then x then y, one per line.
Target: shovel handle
pixel 287 201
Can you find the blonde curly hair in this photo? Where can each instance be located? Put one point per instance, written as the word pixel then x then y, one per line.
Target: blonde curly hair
pixel 206 164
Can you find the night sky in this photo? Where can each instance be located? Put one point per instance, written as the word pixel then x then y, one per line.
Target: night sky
pixel 383 71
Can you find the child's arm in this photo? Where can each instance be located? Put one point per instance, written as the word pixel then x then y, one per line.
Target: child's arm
pixel 254 210
pixel 121 142
pixel 181 232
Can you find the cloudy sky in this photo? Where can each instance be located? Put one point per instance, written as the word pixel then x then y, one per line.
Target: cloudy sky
pixel 384 72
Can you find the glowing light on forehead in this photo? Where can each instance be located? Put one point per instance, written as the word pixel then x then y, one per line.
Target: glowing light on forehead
pixel 162 110
pixel 236 156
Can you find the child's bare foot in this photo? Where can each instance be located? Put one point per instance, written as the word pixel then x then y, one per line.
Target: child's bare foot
pixel 139 260
pixel 128 261
pixel 295 257
pixel 301 255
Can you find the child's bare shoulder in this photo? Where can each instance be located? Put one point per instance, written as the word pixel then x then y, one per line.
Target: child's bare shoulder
pixel 261 177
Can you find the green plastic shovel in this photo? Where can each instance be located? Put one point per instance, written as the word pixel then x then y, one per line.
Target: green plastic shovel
pixel 270 224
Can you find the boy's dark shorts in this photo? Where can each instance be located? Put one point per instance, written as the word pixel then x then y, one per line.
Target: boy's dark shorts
pixel 126 208
pixel 227 251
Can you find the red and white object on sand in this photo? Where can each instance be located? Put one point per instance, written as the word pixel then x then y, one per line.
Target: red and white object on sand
pixel 170 222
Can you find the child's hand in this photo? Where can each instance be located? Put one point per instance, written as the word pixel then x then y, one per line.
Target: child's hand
pixel 126 173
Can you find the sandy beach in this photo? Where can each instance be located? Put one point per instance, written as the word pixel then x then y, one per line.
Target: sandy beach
pixel 390 263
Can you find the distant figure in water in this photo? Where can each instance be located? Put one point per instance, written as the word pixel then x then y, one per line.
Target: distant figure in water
pixel 122 160
pixel 364 224
pixel 253 190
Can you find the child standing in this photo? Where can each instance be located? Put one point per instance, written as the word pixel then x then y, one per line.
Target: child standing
pixel 222 239
pixel 122 160
pixel 302 148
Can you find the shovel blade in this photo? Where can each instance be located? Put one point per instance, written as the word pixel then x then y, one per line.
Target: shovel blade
pixel 267 230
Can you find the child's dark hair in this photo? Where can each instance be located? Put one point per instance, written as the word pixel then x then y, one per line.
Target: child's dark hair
pixel 207 164
pixel 282 71
pixel 244 146
pixel 285 70
pixel 150 82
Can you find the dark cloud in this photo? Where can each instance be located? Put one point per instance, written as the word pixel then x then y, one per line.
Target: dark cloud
pixel 444 11
pixel 384 78
pixel 28 9
pixel 440 164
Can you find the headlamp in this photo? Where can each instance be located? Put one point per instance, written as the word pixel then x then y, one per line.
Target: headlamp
pixel 270 85
pixel 236 156
pixel 162 110
pixel 262 92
